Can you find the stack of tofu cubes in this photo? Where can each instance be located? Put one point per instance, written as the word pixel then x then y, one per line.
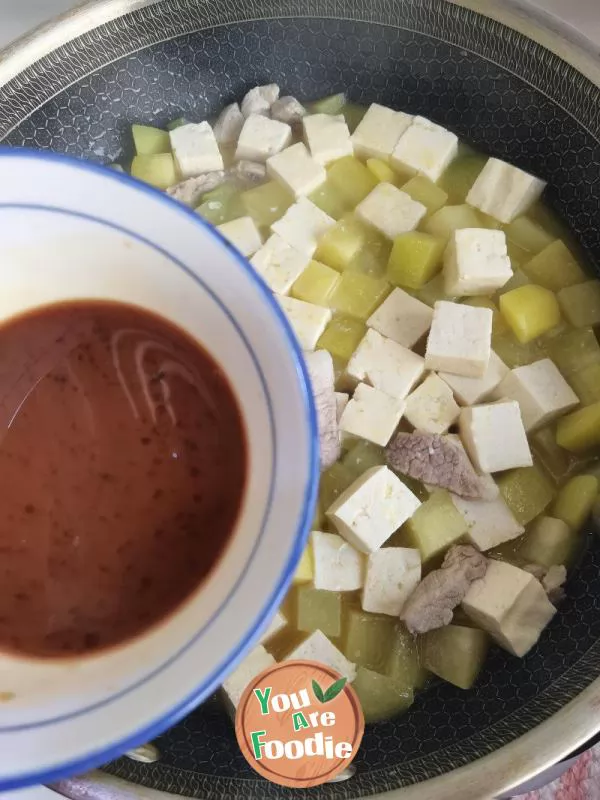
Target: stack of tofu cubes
pixel 458 381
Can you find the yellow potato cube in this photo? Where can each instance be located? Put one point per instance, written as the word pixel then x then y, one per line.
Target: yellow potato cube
pixel 363 456
pixel 315 284
pixel 548 542
pixel 554 267
pixel 575 501
pixel 527 236
pixel 586 384
pixel 368 638
pixel 379 696
pixel 157 170
pixel 513 353
pixel 574 350
pixel 579 432
pixel 221 205
pixel 342 242
pixel 455 654
pixel 334 481
pixel 415 259
pixel 266 203
pixel 352 179
pixel 359 295
pixel 329 200
pixel 426 192
pixel 448 219
pixel 342 336
pixel 433 291
pixel 558 463
pixel 581 303
pixel 460 175
pixel 382 172
pixel 526 491
pixel 530 311
pixel 150 141
pixel 436 525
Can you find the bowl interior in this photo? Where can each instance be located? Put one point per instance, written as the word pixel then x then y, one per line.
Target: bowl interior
pixel 494 88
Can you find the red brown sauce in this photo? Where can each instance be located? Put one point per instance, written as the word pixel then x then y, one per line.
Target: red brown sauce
pixel 122 471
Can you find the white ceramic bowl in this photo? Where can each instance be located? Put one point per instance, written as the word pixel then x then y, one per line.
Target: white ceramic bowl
pixel 70 230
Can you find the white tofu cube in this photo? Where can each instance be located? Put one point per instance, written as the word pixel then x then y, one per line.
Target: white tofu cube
pixel 308 320
pixel 279 264
pixel 460 339
pixel 278 623
pixel 385 364
pixel 338 567
pixel 327 137
pixel 490 522
pixel 511 605
pixel 243 235
pixel 476 262
pixel 317 647
pixel 296 170
pixel 341 401
pixel 541 392
pixel 392 575
pixel 378 132
pixel 495 437
pixel 402 318
pixel 390 210
pixel 503 191
pixel 431 407
pixel 302 225
pixel 261 137
pixel 425 148
pixel 257 661
pixel 372 415
pixel 195 149
pixel 469 391
pixel 372 508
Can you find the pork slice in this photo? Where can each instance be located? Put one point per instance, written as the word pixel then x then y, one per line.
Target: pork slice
pixel 248 173
pixel 229 124
pixel 191 190
pixel 289 110
pixel 433 601
pixel 260 99
pixel 320 370
pixel 437 461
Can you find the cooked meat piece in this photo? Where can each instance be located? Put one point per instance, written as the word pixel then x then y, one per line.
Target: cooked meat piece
pixel 431 604
pixel 229 124
pixel 320 369
pixel 438 461
pixel 552 579
pixel 260 99
pixel 191 190
pixel 248 173
pixel 288 109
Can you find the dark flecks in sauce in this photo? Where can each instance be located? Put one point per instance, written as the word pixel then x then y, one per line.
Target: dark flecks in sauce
pixel 122 469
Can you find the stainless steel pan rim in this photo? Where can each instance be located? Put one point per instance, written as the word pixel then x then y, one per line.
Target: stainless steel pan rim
pixel 578 721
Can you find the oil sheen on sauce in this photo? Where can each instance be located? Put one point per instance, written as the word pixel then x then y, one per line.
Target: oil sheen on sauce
pixel 122 471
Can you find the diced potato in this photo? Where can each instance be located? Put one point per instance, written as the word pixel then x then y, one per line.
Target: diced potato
pixel 513 353
pixel 426 192
pixel 415 259
pixel 526 491
pixel 433 291
pixel 150 141
pixel 319 610
pixel 353 114
pixel 334 481
pixel 352 179
pixel 342 242
pixel 381 171
pixel 368 639
pixel 363 456
pixel 333 104
pixel 558 463
pixel 581 304
pixel 575 501
pixel 460 176
pixel 499 325
pixel 359 295
pixel 158 170
pixel 548 544
pixel 554 267
pixel 342 336
pixel 304 570
pixel 529 237
pixel 266 203
pixel 404 663
pixel 436 525
pixel 448 219
pixel 455 654
pixel 315 284
pixel 329 200
pixel 221 205
pixel 379 697
pixel 549 220
pixel 586 384
pixel 373 257
pixel 579 432
pixel 530 311
pixel 574 350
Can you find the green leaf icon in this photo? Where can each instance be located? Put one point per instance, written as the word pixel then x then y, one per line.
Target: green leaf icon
pixel 334 690
pixel 318 692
